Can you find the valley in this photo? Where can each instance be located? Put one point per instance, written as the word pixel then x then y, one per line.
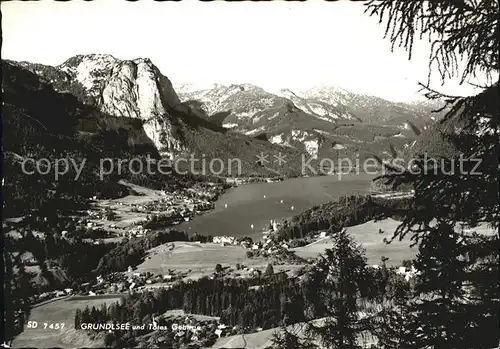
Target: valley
pixel 204 259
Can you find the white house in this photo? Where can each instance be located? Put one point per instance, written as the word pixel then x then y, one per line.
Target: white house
pixel 408 274
pixel 224 239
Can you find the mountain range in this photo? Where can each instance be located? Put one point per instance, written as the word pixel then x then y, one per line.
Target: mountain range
pixel 322 121
pixel 133 101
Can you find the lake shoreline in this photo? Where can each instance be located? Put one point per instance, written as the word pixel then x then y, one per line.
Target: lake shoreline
pixel 273 200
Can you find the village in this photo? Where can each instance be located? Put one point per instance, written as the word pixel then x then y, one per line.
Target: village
pixel 135 216
pixel 111 221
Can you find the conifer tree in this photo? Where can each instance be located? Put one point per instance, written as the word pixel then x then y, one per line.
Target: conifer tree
pixel 455 300
pixel 289 339
pixel 269 273
pixel 339 272
pixel 78 319
pixel 440 289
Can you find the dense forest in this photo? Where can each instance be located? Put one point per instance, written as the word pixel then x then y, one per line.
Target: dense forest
pixel 81 260
pixel 131 252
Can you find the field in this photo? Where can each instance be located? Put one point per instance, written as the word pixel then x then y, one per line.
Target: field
pixel 368 236
pixel 262 339
pixel 63 312
pixel 257 340
pixel 200 259
pixel 187 255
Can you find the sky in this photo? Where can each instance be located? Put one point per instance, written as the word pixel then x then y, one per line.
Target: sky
pixel 272 44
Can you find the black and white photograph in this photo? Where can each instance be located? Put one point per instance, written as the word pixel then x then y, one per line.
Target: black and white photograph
pixel 250 174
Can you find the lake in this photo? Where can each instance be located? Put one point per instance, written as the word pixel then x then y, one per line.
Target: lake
pixel 257 203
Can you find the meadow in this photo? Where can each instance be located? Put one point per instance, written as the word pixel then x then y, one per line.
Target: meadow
pixel 368 236
pixel 199 260
pixel 63 312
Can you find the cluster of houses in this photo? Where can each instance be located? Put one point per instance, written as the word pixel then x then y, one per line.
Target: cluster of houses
pixel 176 207
pixel 265 248
pixel 175 210
pixel 238 181
pixel 103 214
pixel 137 280
pixel 134 281
pixel 195 331
pixel 197 328
pixel 225 240
pixel 136 231
pixel 45 296
pixel 196 198
pixel 407 273
pixel 269 246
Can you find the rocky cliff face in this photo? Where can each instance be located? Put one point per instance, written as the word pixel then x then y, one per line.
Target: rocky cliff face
pixel 121 88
